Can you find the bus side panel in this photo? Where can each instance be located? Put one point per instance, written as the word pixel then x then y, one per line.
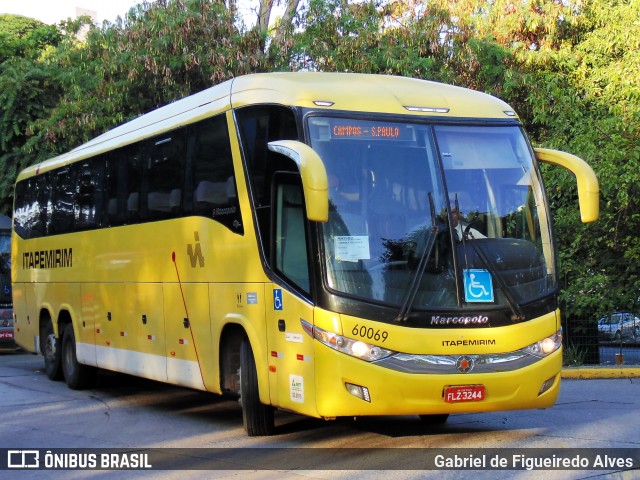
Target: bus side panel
pixel 191 361
pixel 291 356
pixel 63 297
pixel 45 296
pixel 130 329
pixel 86 333
pixel 242 304
pixel 25 327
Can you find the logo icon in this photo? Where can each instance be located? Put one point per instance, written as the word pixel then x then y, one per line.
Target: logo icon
pixel 195 253
pixel 23 459
pixel 465 364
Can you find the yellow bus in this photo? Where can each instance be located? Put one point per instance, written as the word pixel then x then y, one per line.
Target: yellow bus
pixel 326 244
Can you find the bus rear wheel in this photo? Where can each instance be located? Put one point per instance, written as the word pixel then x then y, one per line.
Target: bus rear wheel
pixel 257 418
pixel 50 349
pixel 77 375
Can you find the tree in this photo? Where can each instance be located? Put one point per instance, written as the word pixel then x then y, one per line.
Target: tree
pixel 25 37
pixel 160 52
pixel 584 99
pixel 370 37
pixel 27 92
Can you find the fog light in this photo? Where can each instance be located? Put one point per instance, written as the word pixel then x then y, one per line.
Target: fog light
pixel 358 391
pixel 548 383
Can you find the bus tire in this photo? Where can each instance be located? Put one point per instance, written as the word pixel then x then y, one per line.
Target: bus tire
pixel 50 349
pixel 434 419
pixel 257 418
pixel 77 375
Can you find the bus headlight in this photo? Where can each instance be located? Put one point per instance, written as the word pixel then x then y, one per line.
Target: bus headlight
pixel 546 346
pixel 354 348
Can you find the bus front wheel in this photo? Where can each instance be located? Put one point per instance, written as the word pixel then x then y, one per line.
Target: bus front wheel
pixel 77 375
pixel 257 418
pixel 50 349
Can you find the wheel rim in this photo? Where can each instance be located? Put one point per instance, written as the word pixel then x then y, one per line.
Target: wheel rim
pixel 50 347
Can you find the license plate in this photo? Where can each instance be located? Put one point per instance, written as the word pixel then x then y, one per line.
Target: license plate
pixel 464 393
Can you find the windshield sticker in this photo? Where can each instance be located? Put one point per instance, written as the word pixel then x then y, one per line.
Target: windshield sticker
pixel 352 248
pixel 478 285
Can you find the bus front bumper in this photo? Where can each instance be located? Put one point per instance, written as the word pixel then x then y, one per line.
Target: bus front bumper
pixel 358 388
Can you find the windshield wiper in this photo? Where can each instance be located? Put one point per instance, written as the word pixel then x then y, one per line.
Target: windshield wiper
pixel 412 291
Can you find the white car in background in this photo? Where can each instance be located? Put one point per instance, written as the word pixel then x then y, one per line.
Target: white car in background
pixel 619 326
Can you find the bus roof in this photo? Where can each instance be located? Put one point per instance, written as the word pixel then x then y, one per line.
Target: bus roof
pixel 329 91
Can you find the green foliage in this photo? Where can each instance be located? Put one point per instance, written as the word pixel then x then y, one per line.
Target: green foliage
pixel 583 99
pixel 159 53
pixel 369 37
pixel 28 91
pixel 17 26
pixel 573 356
pixel 25 37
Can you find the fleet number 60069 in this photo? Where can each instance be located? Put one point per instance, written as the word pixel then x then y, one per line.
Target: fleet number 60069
pixel 369 333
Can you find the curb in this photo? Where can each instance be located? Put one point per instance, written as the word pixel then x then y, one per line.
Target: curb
pixel 600 372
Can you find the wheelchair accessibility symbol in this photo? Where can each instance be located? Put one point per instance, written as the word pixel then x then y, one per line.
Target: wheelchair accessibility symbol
pixel 277 299
pixel 478 285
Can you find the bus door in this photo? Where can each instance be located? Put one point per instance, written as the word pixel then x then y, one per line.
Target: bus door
pixel 291 363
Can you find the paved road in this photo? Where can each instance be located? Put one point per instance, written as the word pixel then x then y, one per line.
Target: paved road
pixel 125 412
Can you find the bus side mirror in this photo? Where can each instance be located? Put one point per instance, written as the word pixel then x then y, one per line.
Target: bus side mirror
pixel 314 176
pixel 588 187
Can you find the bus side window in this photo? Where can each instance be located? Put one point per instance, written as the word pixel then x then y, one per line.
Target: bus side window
pixel 40 205
pixel 259 125
pixel 291 256
pixel 134 184
pixel 88 213
pixel 165 160
pixel 22 217
pixel 213 184
pixel 114 189
pixel 63 197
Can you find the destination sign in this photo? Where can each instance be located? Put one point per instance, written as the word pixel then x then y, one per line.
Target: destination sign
pixel 371 131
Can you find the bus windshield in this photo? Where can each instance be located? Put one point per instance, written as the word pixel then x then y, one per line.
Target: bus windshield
pixel 428 217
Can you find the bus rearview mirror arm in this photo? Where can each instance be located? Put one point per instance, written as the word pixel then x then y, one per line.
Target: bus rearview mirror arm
pixel 314 176
pixel 588 187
